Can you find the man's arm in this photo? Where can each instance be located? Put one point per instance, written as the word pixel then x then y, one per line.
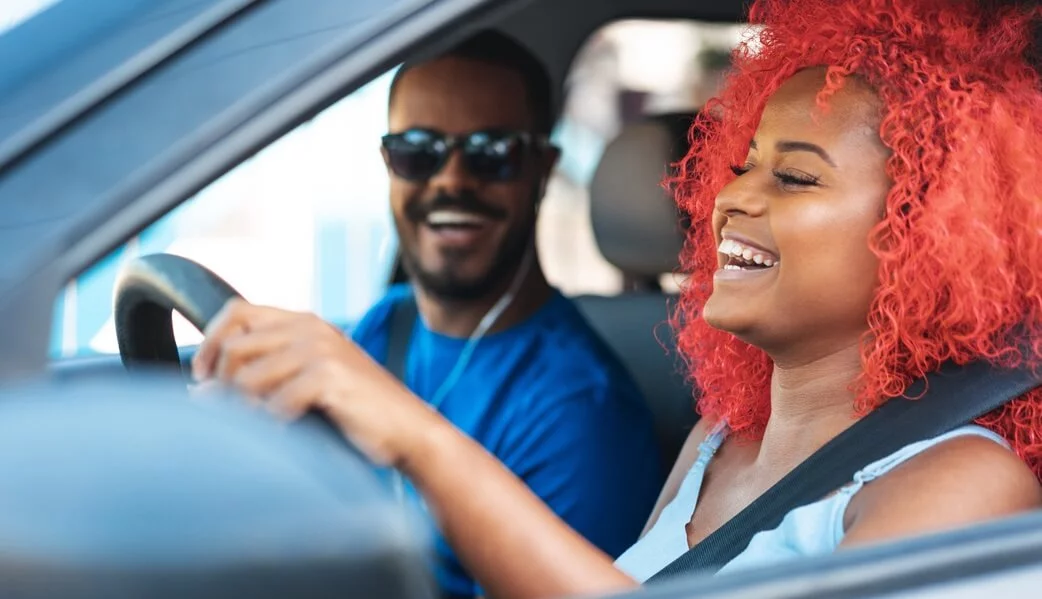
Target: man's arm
pixel 591 458
pixel 504 534
pixel 591 455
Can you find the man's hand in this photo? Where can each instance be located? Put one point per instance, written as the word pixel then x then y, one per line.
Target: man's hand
pixel 295 362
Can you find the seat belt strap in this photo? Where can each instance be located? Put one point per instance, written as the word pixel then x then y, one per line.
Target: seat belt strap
pixel 951 397
pixel 403 321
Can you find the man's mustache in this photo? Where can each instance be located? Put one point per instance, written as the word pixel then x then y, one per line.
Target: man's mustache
pixel 418 211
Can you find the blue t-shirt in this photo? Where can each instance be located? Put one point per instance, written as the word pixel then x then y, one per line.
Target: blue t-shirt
pixel 554 404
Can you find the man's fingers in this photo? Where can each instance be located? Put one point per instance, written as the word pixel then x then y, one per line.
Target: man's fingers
pixel 244 347
pixel 237 316
pixel 296 396
pixel 266 374
pixel 228 321
pixel 206 389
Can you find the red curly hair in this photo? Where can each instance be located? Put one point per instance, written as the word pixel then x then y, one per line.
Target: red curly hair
pixel 960 245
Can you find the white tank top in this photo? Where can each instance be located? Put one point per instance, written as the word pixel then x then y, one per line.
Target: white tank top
pixel 814 529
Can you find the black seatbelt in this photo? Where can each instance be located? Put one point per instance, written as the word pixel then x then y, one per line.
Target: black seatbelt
pixel 953 396
pixel 403 319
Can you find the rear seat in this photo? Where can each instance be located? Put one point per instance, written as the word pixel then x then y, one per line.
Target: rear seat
pixel 638 230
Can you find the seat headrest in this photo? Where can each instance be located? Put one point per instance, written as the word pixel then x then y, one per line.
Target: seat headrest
pixel 635 221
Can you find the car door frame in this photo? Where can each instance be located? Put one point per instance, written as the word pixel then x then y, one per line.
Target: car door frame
pixel 232 135
pixel 986 557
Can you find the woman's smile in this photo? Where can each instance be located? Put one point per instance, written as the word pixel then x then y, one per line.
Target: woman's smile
pixel 741 258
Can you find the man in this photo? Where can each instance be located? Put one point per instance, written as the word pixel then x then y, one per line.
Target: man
pixel 469 158
pixel 491 345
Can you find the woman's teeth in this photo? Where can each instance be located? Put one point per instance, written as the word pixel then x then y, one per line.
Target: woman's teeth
pixel 741 256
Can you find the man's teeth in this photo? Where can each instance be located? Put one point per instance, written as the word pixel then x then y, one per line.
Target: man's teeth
pixel 448 218
pixel 730 247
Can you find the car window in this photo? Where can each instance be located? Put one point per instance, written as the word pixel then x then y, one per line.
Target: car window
pixel 13 12
pixel 304 225
pixel 619 77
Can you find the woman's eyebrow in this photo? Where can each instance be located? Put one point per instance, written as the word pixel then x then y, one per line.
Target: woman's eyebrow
pixel 800 146
pixel 803 146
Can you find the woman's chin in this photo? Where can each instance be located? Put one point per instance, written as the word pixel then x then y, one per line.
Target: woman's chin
pixel 726 315
pixel 732 325
pixel 740 324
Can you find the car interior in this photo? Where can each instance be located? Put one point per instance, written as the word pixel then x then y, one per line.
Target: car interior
pixel 635 225
pixel 638 230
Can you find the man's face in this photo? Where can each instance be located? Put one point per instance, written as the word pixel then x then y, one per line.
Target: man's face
pixel 462 233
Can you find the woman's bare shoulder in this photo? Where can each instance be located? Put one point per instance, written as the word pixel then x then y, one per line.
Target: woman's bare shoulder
pixel 955 483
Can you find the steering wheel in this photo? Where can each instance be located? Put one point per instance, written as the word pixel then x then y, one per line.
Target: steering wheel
pixel 148 289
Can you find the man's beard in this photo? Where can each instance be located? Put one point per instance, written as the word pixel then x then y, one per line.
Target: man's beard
pixel 446 283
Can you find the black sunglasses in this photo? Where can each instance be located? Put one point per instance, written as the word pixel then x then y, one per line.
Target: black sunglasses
pixel 418 154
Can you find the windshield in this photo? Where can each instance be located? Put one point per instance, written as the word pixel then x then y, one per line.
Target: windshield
pixel 13 12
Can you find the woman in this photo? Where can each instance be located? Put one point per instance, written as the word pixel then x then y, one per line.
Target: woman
pixel 866 207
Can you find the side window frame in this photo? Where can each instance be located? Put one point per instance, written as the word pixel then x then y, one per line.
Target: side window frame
pixel 345 237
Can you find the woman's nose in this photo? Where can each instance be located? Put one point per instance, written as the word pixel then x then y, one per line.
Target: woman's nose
pixel 741 196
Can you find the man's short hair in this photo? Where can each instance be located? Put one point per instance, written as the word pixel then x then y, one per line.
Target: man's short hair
pixel 492 47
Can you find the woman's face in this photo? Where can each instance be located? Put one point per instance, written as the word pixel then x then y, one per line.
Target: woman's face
pixel 796 275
